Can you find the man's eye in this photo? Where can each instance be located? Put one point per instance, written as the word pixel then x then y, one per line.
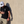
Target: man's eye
pixel 1 4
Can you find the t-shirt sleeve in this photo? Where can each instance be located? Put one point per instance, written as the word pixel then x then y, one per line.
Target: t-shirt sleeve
pixel 8 9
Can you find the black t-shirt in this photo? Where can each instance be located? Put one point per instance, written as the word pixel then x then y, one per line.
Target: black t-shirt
pixel 5 9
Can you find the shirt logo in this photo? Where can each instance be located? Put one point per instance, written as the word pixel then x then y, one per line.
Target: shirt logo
pixel 4 9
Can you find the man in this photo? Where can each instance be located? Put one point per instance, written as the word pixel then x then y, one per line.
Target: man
pixel 5 11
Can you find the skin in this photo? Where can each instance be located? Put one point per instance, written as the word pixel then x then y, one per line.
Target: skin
pixel 1 12
pixel 8 15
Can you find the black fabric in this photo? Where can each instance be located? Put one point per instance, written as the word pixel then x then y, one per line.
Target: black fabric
pixel 5 9
pixel 9 22
pixel 8 9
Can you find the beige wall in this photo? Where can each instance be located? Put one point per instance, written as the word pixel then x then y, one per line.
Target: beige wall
pixel 17 7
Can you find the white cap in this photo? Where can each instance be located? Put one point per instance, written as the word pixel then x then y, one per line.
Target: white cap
pixel 1 3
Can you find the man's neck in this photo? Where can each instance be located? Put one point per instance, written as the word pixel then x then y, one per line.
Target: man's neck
pixel 3 6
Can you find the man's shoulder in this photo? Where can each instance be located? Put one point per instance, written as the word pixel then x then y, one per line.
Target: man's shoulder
pixel 5 6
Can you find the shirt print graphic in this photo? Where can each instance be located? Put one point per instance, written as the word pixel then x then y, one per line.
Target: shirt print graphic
pixel 4 9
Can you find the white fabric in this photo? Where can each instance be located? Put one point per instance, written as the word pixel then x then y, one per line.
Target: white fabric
pixel 2 4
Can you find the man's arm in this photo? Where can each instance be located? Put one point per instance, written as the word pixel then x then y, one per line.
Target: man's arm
pixel 1 12
pixel 8 14
pixel 8 10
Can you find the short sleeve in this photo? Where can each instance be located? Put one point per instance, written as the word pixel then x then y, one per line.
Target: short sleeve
pixel 8 9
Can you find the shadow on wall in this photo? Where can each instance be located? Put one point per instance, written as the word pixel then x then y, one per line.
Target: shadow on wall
pixel 7 4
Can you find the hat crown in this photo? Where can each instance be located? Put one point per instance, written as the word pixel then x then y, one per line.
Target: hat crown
pixel 1 3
